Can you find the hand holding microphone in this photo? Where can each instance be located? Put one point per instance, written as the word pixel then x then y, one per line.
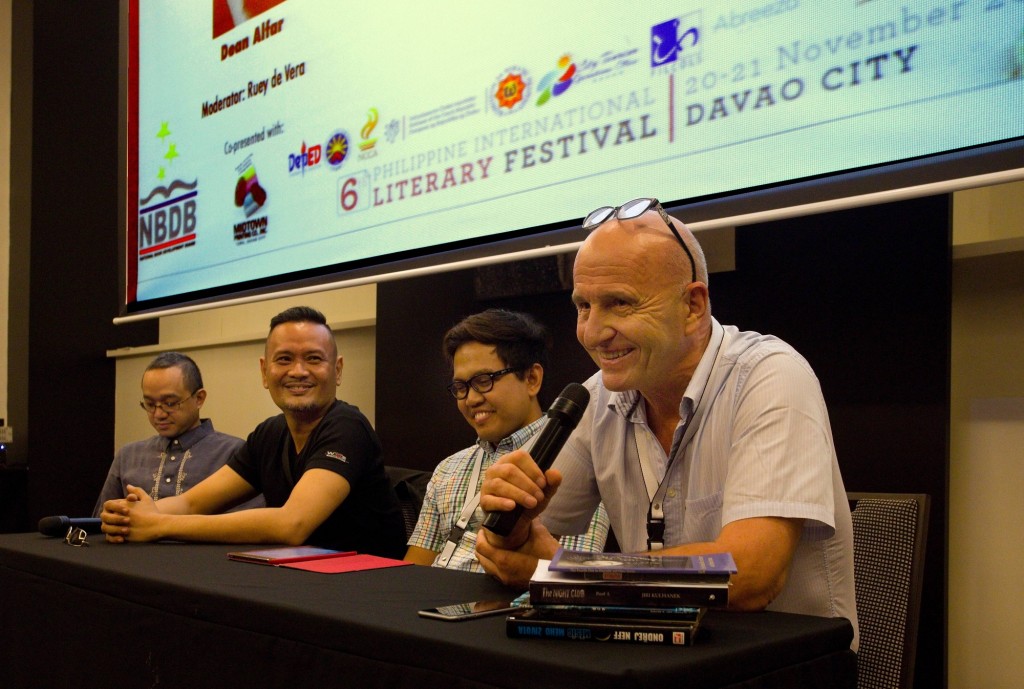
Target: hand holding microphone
pixel 563 416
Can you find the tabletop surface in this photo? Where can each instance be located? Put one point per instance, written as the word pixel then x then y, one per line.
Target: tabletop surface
pixel 374 614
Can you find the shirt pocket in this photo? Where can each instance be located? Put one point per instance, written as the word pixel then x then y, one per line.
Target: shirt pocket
pixel 703 519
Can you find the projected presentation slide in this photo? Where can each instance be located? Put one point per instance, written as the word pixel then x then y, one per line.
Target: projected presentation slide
pixel 267 138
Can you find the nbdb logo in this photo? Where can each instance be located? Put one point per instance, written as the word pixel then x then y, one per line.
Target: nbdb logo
pixel 667 43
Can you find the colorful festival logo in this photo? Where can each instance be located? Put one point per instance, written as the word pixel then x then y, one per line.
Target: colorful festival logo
pixel 557 82
pixel 249 195
pixel 667 43
pixel 336 149
pixel 510 90
pixel 367 144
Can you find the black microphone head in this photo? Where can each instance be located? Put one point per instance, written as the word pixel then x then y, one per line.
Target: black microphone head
pixel 571 403
pixel 54 526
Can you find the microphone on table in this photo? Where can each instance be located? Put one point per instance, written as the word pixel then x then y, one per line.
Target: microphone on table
pixel 563 415
pixel 58 526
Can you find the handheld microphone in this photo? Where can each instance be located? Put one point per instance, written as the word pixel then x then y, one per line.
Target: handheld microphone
pixel 58 526
pixel 563 415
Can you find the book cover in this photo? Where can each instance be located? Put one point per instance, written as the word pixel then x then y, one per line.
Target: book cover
pixel 352 562
pixel 559 588
pixel 286 554
pixel 639 567
pixel 567 612
pixel 526 624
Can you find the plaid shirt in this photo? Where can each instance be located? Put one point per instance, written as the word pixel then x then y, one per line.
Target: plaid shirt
pixel 446 496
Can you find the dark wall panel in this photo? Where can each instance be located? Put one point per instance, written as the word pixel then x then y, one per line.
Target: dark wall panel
pixel 416 417
pixel 72 278
pixel 864 295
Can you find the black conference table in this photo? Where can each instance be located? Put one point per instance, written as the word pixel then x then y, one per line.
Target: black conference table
pixel 183 615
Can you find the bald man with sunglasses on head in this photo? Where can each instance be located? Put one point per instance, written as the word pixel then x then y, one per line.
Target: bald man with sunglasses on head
pixel 699 438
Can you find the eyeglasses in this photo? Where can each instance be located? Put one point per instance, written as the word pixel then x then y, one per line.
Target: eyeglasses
pixel 634 209
pixel 166 407
pixel 482 382
pixel 76 536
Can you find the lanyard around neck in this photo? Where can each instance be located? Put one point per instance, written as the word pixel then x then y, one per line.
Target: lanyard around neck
pixel 469 506
pixel 656 489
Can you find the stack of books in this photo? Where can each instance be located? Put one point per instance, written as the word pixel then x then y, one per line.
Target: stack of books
pixel 626 598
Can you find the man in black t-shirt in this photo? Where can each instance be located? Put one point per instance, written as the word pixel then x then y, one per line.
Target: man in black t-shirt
pixel 317 464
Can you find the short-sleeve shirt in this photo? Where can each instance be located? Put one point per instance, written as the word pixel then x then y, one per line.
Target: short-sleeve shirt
pixel 369 520
pixel 762 448
pixel 446 496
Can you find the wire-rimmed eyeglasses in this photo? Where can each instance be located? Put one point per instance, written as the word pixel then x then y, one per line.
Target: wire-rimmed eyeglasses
pixel 481 382
pixel 150 406
pixel 634 209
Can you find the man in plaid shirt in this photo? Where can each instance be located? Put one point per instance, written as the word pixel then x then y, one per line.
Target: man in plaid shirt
pixel 497 360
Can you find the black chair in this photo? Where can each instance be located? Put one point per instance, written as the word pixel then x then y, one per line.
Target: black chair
pixel 890 531
pixel 409 485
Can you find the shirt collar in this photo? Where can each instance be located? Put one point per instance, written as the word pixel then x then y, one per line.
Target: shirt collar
pixel 627 403
pixel 192 436
pixel 515 440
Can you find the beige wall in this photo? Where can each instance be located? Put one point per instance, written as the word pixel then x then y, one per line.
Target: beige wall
pixel 986 495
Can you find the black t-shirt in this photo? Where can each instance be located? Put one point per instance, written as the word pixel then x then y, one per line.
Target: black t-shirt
pixel 370 519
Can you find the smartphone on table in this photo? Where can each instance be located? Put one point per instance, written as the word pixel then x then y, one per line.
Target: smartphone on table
pixel 470 609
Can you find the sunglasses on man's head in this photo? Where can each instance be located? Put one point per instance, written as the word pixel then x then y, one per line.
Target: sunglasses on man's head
pixel 634 209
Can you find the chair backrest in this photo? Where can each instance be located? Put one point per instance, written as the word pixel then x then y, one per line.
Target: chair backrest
pixel 889 535
pixel 409 485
